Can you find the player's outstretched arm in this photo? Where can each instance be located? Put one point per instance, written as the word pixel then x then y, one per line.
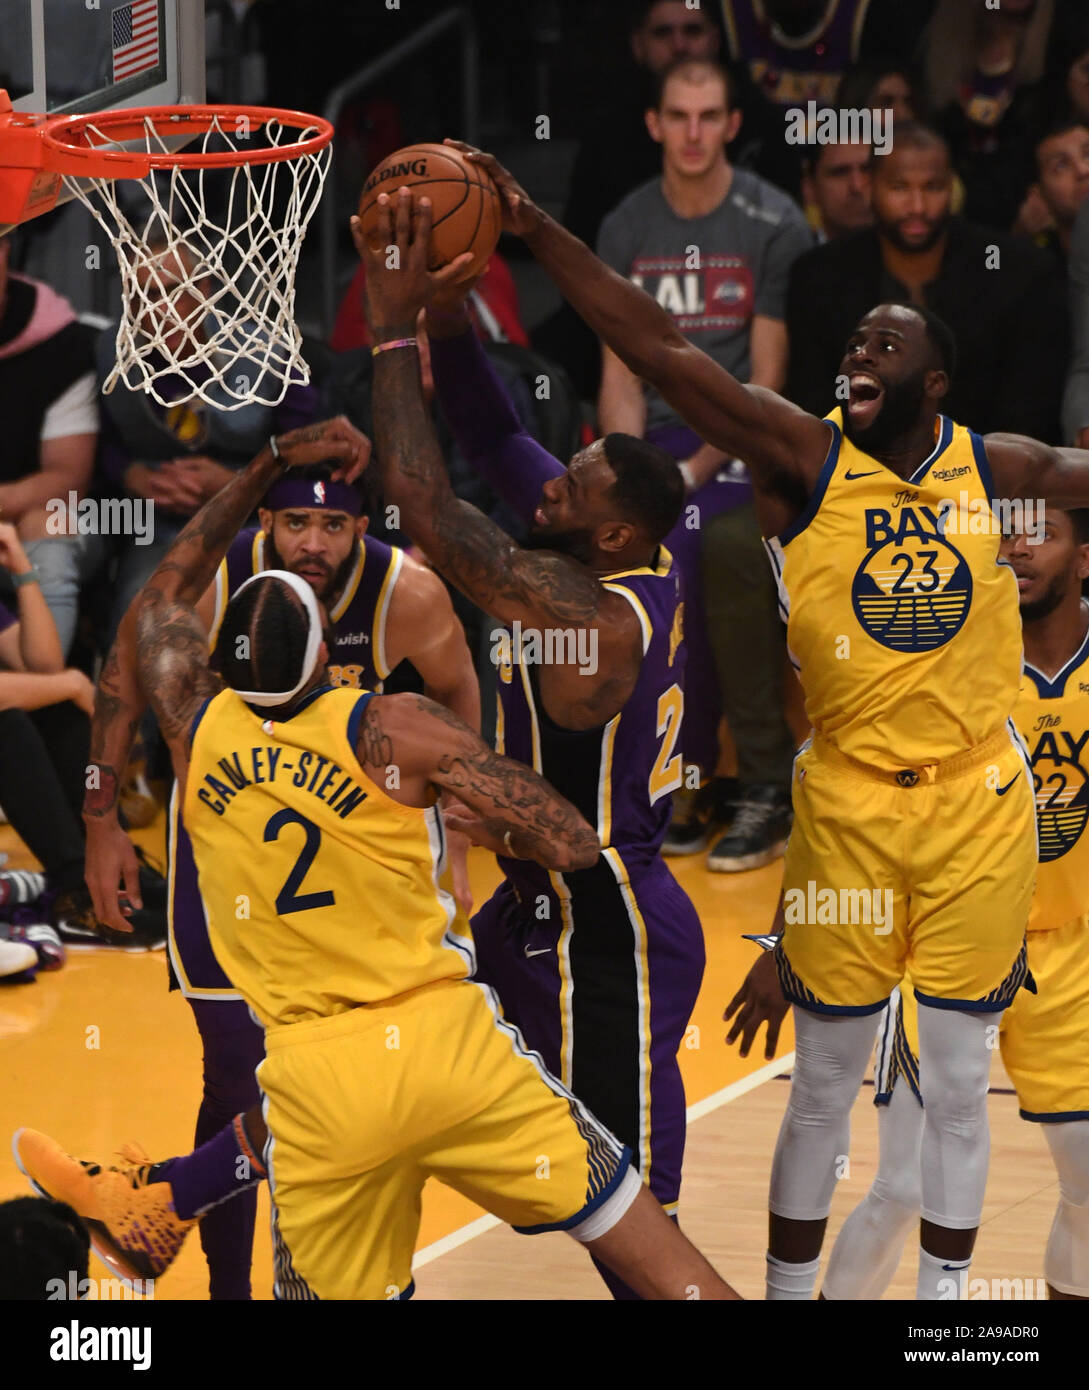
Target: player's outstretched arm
pixel 171 640
pixel 460 541
pixel 1026 468
pixel 752 423
pixel 513 810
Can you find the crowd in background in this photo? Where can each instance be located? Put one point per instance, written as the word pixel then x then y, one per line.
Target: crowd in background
pixel 766 250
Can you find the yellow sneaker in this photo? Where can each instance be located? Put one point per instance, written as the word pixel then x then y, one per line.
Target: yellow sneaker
pixel 131 1221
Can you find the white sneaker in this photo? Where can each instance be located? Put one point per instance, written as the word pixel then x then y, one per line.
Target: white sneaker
pixel 15 957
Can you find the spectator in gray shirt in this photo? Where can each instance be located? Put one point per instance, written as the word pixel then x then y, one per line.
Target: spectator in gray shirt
pixel 714 245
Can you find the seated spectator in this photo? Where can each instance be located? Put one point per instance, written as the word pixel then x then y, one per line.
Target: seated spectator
pixel 713 244
pixel 45 711
pixel 797 50
pixel 1076 399
pixel 1003 299
pixel 983 67
pixel 881 84
pixel 836 189
pixel 178 456
pixel 49 408
pixel 617 154
pixel 1062 184
pixel 493 306
pixel 41 1242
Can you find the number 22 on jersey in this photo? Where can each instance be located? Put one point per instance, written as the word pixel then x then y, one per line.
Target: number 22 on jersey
pixel 665 775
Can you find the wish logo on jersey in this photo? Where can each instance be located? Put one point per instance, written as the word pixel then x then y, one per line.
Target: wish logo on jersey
pixel 913 589
pixel 1062 792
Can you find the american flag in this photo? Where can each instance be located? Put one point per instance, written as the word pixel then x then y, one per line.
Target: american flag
pixel 135 38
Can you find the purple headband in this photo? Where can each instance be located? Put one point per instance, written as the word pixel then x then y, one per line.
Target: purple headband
pixel 314 492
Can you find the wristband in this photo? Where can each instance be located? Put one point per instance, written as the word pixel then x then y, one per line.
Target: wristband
pixel 395 343
pixel 276 451
pixel 30 576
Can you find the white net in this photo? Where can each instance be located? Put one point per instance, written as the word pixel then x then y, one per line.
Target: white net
pixel 208 259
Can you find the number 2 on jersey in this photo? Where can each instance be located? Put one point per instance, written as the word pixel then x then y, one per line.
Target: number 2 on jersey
pixel 665 775
pixel 289 899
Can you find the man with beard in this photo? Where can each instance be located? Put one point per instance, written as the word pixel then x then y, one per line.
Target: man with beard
pixel 600 968
pixel 914 832
pixel 383 608
pixel 1004 300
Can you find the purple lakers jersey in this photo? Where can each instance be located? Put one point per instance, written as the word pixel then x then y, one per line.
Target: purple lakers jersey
pixel 357 655
pixel 357 658
pixel 619 775
pixel 792 71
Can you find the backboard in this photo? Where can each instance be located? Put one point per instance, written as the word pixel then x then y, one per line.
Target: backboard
pixel 69 56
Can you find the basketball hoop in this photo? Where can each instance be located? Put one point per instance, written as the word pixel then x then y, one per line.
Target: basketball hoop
pixel 207 240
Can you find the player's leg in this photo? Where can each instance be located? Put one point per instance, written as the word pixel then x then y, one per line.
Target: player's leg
pixel 233 1050
pixel 1066 1259
pixel 871 1240
pixel 973 859
pixel 538 1159
pixel 831 1053
pixel 1043 1041
pixel 646 1250
pixel 955 1050
pixel 640 971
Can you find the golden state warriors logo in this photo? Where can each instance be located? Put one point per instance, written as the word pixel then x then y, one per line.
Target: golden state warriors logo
pixel 1062 792
pixel 913 590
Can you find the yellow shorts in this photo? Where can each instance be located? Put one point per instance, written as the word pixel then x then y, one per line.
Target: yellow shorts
pixel 1042 1036
pixel 936 876
pixel 1045 1036
pixel 363 1107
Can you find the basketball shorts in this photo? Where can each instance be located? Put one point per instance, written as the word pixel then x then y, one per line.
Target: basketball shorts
pixel 603 985
pixel 932 873
pixel 1042 1035
pixel 363 1107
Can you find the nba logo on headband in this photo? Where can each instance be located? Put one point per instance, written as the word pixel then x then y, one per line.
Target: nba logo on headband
pixel 319 494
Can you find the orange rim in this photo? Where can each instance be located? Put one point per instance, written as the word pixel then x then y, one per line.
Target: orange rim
pixel 75 144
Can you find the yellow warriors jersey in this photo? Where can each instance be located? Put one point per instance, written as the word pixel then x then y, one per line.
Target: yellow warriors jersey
pixel 1053 718
pixel 322 893
pixel 902 622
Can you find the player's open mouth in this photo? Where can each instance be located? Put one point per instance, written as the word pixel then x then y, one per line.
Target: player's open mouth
pixel 539 518
pixel 864 400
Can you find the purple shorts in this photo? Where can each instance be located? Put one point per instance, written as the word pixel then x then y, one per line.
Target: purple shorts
pixel 605 995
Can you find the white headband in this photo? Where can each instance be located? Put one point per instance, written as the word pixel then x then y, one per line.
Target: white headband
pixel 313 640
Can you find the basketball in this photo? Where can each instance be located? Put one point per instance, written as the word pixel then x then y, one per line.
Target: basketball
pixel 465 205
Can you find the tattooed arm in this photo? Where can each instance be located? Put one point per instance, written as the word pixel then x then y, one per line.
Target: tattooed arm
pixel 427 744
pixel 120 698
pixel 172 648
pixel 538 587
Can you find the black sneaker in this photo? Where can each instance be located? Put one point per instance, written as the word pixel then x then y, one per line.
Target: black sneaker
pixel 690 828
pixel 726 792
pixel 758 834
pixel 79 929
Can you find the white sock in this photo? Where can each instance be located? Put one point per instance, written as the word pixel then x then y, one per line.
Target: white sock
pixel 940 1279
pixel 788 1283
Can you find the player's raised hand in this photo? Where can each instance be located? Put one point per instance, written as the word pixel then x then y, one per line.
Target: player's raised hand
pixel 400 281
pixel 521 215
pixel 335 439
pixel 760 1000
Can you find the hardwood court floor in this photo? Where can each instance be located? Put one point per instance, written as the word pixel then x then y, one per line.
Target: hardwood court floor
pixel 99 1053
